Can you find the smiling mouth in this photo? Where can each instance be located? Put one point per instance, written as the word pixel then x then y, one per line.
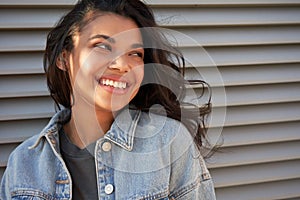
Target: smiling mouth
pixel 113 83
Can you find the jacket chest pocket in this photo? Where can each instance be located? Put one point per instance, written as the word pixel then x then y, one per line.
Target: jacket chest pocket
pixel 26 197
pixel 162 195
pixel 32 195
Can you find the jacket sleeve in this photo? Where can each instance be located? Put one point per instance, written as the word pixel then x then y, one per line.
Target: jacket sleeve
pixel 190 178
pixel 4 187
pixel 193 182
pixel 202 190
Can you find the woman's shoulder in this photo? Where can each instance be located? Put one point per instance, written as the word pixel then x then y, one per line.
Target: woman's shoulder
pixel 147 126
pixel 24 151
pixel 162 124
pixel 162 133
pixel 31 147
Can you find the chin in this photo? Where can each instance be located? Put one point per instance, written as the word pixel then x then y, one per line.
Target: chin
pixel 110 107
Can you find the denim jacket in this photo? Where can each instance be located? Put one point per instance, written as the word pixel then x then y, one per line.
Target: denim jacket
pixel 142 156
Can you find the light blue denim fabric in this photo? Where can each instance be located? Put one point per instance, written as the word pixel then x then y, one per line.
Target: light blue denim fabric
pixel 150 157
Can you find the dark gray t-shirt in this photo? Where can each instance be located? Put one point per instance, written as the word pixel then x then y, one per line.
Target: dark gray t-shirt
pixel 81 165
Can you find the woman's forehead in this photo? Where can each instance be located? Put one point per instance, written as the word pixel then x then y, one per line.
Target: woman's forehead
pixel 114 26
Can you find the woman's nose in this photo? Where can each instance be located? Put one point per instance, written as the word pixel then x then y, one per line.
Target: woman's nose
pixel 120 63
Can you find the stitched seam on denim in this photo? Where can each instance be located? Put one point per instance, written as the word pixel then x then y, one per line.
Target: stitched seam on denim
pixel 186 189
pixel 162 194
pixel 128 145
pixel 63 164
pixel 205 173
pixel 32 193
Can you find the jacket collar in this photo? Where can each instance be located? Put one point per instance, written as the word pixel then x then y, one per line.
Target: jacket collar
pixel 123 128
pixel 121 132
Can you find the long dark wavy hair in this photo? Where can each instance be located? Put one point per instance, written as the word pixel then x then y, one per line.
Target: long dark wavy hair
pixel 161 85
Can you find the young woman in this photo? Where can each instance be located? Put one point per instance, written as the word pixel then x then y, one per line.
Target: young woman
pixel 122 131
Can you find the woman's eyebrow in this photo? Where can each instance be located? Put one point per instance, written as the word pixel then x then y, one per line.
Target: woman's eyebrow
pixel 112 40
pixel 108 38
pixel 137 45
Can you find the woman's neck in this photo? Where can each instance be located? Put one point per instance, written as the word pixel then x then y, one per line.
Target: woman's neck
pixel 87 124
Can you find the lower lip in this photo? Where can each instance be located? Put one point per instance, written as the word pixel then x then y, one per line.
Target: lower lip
pixel 114 90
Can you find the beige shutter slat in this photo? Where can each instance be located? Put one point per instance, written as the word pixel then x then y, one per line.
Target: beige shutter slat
pixel 242 55
pixel 25 108
pixel 253 174
pixel 270 190
pixel 21 63
pixel 169 17
pixel 22 86
pixel 247 75
pixel 26 128
pixel 29 40
pixel 255 154
pixel 259 133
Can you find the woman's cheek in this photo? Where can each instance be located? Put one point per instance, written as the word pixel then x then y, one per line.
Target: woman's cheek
pixel 94 64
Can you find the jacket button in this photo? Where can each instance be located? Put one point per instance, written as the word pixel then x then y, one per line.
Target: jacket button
pixel 106 146
pixel 109 188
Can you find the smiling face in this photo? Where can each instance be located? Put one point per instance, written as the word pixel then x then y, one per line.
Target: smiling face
pixel 106 64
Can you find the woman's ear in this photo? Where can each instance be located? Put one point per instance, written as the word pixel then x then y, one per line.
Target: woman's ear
pixel 62 61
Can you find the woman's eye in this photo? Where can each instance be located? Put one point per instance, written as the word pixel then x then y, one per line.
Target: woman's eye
pixel 104 46
pixel 138 54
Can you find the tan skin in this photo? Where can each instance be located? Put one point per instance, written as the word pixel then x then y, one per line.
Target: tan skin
pixel 106 69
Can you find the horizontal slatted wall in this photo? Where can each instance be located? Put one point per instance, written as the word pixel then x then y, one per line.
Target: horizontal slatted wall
pixel 255 45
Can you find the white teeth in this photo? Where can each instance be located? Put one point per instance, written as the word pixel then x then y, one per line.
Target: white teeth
pixel 116 84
